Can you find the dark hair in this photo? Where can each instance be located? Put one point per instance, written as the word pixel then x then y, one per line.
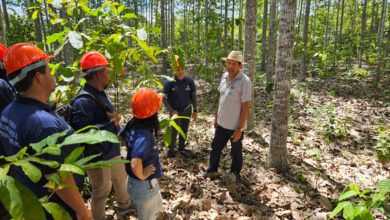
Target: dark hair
pixel 151 124
pixel 26 83
pixel 3 73
pixel 91 75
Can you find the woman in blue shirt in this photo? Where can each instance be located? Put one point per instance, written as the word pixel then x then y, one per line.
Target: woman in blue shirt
pixel 145 167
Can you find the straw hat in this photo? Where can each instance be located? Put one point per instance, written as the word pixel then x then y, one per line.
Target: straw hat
pixel 236 56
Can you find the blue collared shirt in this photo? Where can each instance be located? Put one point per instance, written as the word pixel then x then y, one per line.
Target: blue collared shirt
pixel 179 94
pixel 86 111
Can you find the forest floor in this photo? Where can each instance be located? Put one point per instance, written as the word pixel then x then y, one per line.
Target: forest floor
pixel 330 145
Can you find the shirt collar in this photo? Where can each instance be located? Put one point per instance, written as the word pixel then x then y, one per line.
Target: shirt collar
pixel 33 102
pixel 92 89
pixel 238 76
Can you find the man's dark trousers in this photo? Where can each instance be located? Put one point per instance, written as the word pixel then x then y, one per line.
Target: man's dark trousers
pixel 183 123
pixel 221 137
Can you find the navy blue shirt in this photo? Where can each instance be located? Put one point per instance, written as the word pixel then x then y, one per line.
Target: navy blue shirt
pixel 140 144
pixel 27 121
pixel 7 94
pixel 87 111
pixel 179 94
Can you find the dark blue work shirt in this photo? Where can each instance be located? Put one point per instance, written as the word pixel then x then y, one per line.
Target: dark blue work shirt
pixel 7 94
pixel 140 144
pixel 27 121
pixel 87 111
pixel 180 94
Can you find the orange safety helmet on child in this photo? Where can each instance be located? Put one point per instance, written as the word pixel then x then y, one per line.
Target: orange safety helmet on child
pixel 2 51
pixel 145 103
pixel 24 57
pixel 93 61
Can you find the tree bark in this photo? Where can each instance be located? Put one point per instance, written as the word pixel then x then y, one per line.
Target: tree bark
pixel 6 17
pixel 233 23
pixel 271 46
pixel 281 102
pixel 2 33
pixel 250 50
pixel 303 69
pixel 336 37
pixel 327 23
pixel 342 17
pixel 225 23
pixel 163 35
pixel 362 32
pixel 206 31
pixel 240 25
pixel 264 37
pixel 380 40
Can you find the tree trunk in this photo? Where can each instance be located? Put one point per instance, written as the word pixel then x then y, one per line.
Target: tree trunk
pixel 206 31
pixel 2 33
pixel 225 22
pixel 240 25
pixel 303 70
pixel 198 27
pixel 327 23
pixel 185 27
pixel 233 23
pixel 373 17
pixel 342 18
pixel 271 47
pixel 281 102
pixel 250 51
pixel 336 37
pixel 163 36
pixel 380 40
pixel 172 22
pixel 6 17
pixel 264 37
pixel 362 32
pixel 300 18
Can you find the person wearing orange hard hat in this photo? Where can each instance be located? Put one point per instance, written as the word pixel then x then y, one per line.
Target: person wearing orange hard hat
pixel 7 92
pixel 96 109
pixel 142 152
pixel 29 119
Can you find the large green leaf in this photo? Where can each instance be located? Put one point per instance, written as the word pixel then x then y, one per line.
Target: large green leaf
pixel 177 127
pixel 56 37
pixel 19 201
pixel 347 195
pixel 49 141
pixel 167 136
pixel 90 137
pixel 71 168
pixel 85 160
pixel 384 186
pixel 4 170
pixel 30 170
pixel 340 206
pixel 363 213
pixel 129 16
pixel 35 14
pixel 49 163
pixel 104 164
pixel 348 211
pixel 89 11
pixel 74 155
pixel 57 211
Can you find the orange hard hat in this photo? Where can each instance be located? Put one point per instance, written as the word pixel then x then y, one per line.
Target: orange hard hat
pixel 2 51
pixel 24 57
pixel 145 103
pixel 93 60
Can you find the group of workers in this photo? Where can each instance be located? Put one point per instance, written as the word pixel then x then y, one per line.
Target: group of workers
pixel 27 117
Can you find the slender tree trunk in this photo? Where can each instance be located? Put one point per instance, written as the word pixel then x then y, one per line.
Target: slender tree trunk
pixel 185 26
pixel 6 17
pixel 198 27
pixel 240 25
pixel 373 16
pixel 336 37
pixel 225 24
pixel 303 70
pixel 163 36
pixel 233 23
pixel 281 103
pixel 271 47
pixel 342 18
pixel 173 23
pixel 264 37
pixel 380 40
pixel 362 32
pixel 327 23
pixel 299 18
pixel 2 33
pixel 206 31
pixel 250 50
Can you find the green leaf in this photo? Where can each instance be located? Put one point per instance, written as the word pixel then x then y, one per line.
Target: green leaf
pixel 384 186
pixel 57 211
pixel 52 151
pixel 177 127
pixel 55 37
pixel 4 170
pixel 348 211
pixel 340 206
pixel 20 202
pixel 89 11
pixel 35 15
pixel 30 170
pixel 347 195
pixel 167 136
pixel 354 187
pixel 90 137
pixel 85 160
pixel 74 155
pixel 71 168
pixel 363 213
pixel 129 16
pixel 49 163
pixel 49 141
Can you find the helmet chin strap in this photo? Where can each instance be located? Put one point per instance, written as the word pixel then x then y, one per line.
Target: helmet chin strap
pixel 24 72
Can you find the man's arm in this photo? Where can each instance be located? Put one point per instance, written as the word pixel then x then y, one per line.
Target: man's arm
pixel 243 117
pixel 73 198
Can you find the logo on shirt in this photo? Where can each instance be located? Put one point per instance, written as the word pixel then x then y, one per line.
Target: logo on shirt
pixel 188 88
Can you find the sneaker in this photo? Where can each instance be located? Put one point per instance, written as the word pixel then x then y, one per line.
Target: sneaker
pixel 124 211
pixel 211 174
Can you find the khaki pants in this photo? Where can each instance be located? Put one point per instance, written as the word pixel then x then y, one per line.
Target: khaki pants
pixel 101 182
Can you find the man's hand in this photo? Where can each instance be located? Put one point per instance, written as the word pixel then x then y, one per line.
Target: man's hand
pixel 86 214
pixel 194 116
pixel 174 112
pixel 115 117
pixel 236 135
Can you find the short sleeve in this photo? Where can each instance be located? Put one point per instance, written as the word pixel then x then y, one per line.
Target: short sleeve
pixel 141 147
pixel 246 87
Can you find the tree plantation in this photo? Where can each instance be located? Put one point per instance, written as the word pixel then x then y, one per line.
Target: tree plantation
pixel 281 109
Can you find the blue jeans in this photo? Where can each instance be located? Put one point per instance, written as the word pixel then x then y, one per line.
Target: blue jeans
pixel 147 200
pixel 221 137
